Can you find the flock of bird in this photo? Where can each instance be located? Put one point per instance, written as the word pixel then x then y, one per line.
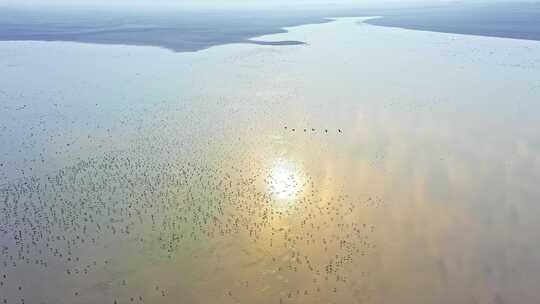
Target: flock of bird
pixel 310 130
pixel 166 203
pixel 48 223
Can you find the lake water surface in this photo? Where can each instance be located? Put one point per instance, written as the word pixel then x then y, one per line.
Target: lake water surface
pixel 368 165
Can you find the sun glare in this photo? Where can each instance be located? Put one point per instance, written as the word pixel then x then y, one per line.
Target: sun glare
pixel 285 182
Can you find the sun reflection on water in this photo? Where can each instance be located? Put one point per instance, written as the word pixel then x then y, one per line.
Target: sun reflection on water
pixel 285 182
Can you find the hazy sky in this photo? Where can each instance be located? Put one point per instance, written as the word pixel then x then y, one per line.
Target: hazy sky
pixel 187 3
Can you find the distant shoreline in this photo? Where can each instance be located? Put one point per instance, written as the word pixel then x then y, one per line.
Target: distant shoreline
pixel 191 31
pixel 516 21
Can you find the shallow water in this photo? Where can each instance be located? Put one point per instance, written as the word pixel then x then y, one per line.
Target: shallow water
pixel 371 165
